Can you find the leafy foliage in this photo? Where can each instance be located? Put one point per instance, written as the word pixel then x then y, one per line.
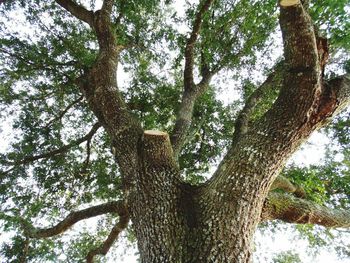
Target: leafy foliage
pixel 331 18
pixel 287 257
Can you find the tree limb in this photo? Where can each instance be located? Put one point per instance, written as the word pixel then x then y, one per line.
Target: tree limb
pixel 255 160
pixel 191 90
pixel 99 86
pixel 78 11
pixel 257 157
pixel 189 50
pixel 106 245
pixel 86 162
pixel 294 210
pixel 107 6
pixel 183 121
pixel 61 150
pixel 74 217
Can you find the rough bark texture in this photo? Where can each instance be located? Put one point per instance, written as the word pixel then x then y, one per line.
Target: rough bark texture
pixel 157 218
pixel 214 222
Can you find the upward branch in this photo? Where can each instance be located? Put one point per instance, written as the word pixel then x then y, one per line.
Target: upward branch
pixel 99 86
pixel 267 144
pixel 60 115
pixel 191 90
pixel 189 51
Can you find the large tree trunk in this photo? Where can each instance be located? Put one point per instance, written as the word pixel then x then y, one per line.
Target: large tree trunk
pixel 155 206
pixel 176 222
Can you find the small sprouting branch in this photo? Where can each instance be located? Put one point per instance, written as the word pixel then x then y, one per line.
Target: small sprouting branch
pixel 87 159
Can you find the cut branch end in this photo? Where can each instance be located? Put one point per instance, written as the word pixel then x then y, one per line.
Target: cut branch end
pixel 155 133
pixel 157 148
pixel 286 3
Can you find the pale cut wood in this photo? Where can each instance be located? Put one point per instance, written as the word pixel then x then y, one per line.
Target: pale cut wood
pixel 286 3
pixel 155 133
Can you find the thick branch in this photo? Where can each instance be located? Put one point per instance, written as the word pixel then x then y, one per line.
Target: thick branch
pixel 191 90
pixel 300 49
pixel 260 153
pixel 99 86
pixel 78 11
pixel 294 210
pixel 107 6
pixel 74 217
pixel 106 245
pixel 61 150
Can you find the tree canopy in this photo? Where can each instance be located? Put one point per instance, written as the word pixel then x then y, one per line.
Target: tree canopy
pixel 175 60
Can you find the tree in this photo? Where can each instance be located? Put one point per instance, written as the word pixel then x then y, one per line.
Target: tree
pixel 82 140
